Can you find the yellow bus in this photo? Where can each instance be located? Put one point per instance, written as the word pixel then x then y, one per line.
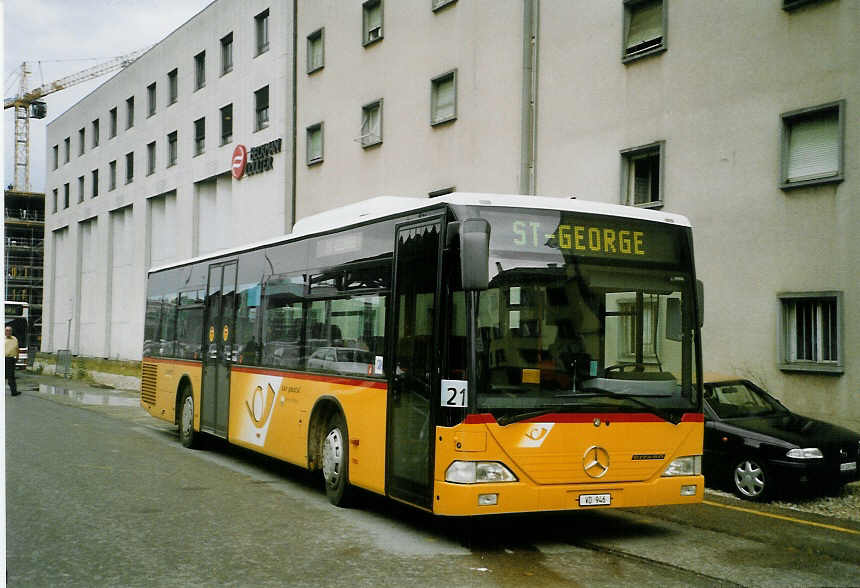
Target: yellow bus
pixel 469 354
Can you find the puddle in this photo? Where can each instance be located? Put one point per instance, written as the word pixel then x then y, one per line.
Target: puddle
pixel 91 397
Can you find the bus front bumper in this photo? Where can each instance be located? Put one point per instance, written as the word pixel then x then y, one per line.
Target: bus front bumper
pixel 515 497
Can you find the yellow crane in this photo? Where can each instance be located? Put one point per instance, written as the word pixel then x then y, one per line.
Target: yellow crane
pixel 28 104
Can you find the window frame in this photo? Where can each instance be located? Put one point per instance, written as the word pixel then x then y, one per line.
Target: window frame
pixel 96 132
pixel 784 362
pixel 112 176
pixel 114 122
pixel 366 7
pixel 200 71
pixel 229 137
pixel 129 167
pixel 227 42
pixel 82 141
pixel 94 192
pixel 627 10
pixel 436 5
pixel 129 113
pixel 309 130
pixel 262 38
pixel 200 136
pixel 628 157
pixel 260 124
pixel 794 116
pixel 791 5
pixel 81 189
pixel 316 36
pixel 434 86
pixel 365 110
pixel 151 99
pixel 173 86
pixel 150 158
pixel 56 199
pixel 56 156
pixel 172 148
pixel 66 195
pixel 67 146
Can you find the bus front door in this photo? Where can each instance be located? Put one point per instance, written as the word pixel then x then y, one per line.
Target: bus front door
pixel 410 410
pixel 220 311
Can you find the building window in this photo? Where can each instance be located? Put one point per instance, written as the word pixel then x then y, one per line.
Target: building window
pixel 316 51
pixel 82 137
pixel 80 188
pixel 56 156
pixel 442 192
pixel 112 122
pixel 96 137
pixel 789 5
pixel 443 98
pixel 66 195
pixel 371 21
pixel 315 144
pixel 642 175
pixel 439 4
pixel 226 124
pixel 129 107
pixel 199 70
pixel 811 332
pixel 644 28
pixel 371 124
pixel 150 158
pixel 261 22
pixel 95 181
pixel 172 148
pixel 55 201
pixel 261 108
pixel 227 54
pixel 112 175
pixel 812 145
pixel 67 143
pixel 150 96
pixel 172 86
pixel 129 167
pixel 199 136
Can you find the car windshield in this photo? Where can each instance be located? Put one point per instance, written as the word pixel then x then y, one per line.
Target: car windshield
pixel 739 399
pixel 562 331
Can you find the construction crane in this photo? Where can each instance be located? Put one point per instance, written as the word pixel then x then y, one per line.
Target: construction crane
pixel 28 104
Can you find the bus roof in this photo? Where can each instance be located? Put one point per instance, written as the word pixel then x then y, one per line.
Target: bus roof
pixel 386 206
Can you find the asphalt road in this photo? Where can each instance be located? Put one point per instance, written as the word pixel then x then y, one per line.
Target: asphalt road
pixel 101 494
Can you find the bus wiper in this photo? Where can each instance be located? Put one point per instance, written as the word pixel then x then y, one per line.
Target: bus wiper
pixel 669 416
pixel 522 416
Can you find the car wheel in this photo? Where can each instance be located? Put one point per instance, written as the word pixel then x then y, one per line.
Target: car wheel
pixel 751 480
pixel 187 435
pixel 335 461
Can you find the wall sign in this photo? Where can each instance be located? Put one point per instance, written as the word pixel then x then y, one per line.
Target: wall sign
pixel 258 160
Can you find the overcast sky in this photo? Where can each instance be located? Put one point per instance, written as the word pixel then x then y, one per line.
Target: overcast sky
pixel 54 32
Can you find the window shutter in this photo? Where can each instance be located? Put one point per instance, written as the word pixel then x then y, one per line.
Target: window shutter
pixel 813 149
pixel 646 23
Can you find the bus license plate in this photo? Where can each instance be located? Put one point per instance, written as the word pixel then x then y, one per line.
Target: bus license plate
pixel 595 499
pixel 850 466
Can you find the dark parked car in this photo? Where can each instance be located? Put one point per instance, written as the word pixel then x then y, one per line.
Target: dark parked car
pixel 759 446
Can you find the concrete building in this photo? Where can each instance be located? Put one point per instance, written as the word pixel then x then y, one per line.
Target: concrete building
pixel 24 231
pixel 734 114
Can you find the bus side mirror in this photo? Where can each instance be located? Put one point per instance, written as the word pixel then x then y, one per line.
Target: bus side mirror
pixel 475 253
pixel 700 302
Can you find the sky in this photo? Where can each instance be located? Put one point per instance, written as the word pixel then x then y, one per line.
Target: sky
pixel 61 37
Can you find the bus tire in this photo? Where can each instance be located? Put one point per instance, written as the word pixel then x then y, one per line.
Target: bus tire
pixel 334 450
pixel 187 435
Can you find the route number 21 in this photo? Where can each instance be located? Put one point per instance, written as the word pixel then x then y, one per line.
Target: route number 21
pixel 455 393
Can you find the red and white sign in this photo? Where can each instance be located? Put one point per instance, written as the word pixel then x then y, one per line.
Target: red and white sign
pixel 240 160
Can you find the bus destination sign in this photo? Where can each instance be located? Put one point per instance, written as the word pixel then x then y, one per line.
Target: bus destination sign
pixel 584 236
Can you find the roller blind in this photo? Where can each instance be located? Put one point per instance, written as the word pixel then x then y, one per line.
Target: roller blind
pixel 445 98
pixel 813 147
pixel 646 23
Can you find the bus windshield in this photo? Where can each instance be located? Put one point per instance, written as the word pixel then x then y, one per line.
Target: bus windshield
pixel 585 314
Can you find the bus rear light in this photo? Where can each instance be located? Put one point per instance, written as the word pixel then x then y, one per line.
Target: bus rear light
pixel 478 472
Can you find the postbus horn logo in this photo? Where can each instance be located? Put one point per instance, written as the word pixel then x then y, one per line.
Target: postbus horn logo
pixel 240 160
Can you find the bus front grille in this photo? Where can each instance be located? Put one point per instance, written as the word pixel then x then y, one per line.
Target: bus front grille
pixel 148 383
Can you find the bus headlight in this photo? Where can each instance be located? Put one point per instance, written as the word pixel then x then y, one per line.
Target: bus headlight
pixel 690 465
pixel 478 472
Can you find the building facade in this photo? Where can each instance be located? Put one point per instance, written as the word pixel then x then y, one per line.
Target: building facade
pixel 735 115
pixel 24 231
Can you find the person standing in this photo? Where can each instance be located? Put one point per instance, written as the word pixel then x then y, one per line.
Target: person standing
pixel 11 360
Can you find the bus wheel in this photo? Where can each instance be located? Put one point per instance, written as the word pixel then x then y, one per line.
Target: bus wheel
pixel 335 461
pixel 187 436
